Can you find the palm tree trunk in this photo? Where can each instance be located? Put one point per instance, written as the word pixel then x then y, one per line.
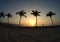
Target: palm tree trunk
pixel 20 22
pixel 36 21
pixel 51 20
pixel 1 20
pixel 8 20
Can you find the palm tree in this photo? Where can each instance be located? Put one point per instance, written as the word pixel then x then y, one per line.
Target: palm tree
pixel 2 15
pixel 35 13
pixel 50 14
pixel 9 16
pixel 21 13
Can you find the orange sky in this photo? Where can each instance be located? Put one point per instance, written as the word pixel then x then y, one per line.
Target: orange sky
pixel 13 6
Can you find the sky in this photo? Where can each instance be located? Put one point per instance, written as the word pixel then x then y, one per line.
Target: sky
pixel 13 6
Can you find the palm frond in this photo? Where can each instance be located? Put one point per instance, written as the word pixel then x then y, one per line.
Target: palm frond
pixel 35 13
pixel 2 14
pixel 50 14
pixel 8 15
pixel 21 13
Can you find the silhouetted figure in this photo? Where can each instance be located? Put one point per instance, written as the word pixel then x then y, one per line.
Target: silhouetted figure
pixel 50 14
pixel 42 25
pixel 21 13
pixel 2 15
pixel 35 13
pixel 9 16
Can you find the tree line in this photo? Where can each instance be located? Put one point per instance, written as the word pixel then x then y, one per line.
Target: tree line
pixel 23 13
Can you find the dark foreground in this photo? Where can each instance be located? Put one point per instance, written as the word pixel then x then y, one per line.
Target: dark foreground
pixel 12 34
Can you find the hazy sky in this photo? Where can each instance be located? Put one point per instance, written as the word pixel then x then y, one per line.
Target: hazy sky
pixel 44 6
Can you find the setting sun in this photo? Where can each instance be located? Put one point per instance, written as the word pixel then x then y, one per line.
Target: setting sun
pixel 32 22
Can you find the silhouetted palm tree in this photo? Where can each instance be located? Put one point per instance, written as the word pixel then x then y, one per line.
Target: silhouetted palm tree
pixel 35 13
pixel 2 15
pixel 21 13
pixel 50 14
pixel 9 16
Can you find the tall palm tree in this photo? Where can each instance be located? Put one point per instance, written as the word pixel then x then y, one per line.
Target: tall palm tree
pixel 35 13
pixel 2 15
pixel 9 16
pixel 21 13
pixel 50 14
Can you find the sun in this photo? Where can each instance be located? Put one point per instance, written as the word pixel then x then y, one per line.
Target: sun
pixel 32 22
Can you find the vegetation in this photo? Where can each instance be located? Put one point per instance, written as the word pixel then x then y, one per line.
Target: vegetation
pixel 22 13
pixel 50 14
pixel 2 15
pixel 35 13
pixel 9 16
